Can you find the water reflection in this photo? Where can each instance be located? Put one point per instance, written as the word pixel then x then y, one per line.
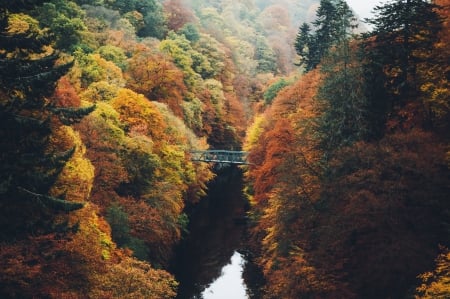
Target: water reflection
pixel 230 284
pixel 216 233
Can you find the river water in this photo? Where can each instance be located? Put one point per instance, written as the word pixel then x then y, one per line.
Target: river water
pixel 209 263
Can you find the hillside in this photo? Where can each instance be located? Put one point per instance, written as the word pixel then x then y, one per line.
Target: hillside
pixel 101 103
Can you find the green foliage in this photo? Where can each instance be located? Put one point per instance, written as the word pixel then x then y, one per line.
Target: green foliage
pixel 345 109
pixel 333 21
pixel 179 48
pixel 120 229
pixel 152 12
pixel 94 68
pixel 190 31
pixel 404 32
pixel 274 89
pixel 100 91
pixel 65 19
pixel 265 56
pixel 303 46
pixel 114 54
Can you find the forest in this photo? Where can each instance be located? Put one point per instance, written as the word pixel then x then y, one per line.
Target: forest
pixel 346 129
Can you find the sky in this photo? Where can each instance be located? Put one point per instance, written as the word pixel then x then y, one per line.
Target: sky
pixel 363 8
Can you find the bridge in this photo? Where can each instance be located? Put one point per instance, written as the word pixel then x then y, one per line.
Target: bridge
pixel 220 156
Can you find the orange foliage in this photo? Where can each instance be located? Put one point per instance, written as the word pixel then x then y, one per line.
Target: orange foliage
pixel 156 77
pixel 102 144
pixel 139 114
pixel 346 229
pixel 285 182
pixel 65 94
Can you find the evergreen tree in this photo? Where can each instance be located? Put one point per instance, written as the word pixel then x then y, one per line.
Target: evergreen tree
pixel 28 75
pixel 303 46
pixel 325 29
pixel 345 111
pixel 331 27
pixel 151 10
pixel 404 30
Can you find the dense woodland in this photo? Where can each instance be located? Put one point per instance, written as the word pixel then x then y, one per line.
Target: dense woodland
pixel 102 101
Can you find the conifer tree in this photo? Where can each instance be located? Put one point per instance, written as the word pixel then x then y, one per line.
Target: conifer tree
pixel 404 30
pixel 304 47
pixel 29 70
pixel 333 21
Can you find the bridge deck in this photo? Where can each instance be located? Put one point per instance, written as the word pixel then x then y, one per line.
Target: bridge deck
pixel 220 156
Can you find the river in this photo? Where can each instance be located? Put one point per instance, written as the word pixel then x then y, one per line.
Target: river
pixel 210 261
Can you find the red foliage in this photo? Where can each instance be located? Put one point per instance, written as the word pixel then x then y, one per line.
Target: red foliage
pixel 177 14
pixel 65 94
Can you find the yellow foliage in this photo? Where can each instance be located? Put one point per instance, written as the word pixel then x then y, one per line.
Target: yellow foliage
pixel 436 284
pixel 113 74
pixel 134 279
pixel 22 23
pixel 141 115
pixel 100 91
pixel 77 176
pixel 253 132
pixel 94 235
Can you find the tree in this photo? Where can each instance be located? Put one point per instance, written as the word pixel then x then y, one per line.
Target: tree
pixel 344 117
pixel 265 56
pixel 155 76
pixel 29 70
pixel 304 46
pixel 272 91
pixel 65 20
pixel 435 77
pixel 177 14
pixel 151 11
pixel 435 283
pixel 325 26
pixel 404 30
pixel 331 27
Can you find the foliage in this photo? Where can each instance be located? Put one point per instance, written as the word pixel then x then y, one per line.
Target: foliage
pixel 344 107
pixel 434 79
pixel 273 90
pixel 435 284
pixel 30 69
pixel 134 279
pixel 158 78
pixel 65 20
pixel 90 68
pixel 151 11
pixel 408 29
pixel 333 21
pixel 114 54
pixel 348 190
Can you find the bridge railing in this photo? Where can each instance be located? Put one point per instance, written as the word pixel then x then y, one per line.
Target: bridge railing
pixel 220 156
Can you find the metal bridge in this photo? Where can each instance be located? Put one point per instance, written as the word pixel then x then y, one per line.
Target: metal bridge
pixel 220 156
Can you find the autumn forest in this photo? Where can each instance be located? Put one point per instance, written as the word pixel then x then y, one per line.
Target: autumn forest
pixel 346 123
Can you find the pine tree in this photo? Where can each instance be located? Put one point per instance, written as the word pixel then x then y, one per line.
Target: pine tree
pixel 325 24
pixel 344 106
pixel 303 46
pixel 403 31
pixel 334 20
pixel 29 70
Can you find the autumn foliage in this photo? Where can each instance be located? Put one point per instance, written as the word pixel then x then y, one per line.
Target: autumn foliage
pixel 346 205
pixel 101 103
